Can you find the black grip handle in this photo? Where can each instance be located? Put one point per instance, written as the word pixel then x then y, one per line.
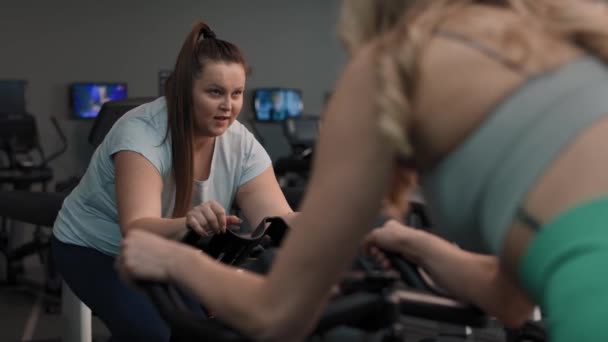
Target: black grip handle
pixel 191 237
pixel 408 272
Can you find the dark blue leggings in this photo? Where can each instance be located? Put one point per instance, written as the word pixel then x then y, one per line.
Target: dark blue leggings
pixel 128 313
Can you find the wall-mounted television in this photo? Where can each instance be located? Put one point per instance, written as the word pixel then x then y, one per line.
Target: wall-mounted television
pixel 87 98
pixel 277 104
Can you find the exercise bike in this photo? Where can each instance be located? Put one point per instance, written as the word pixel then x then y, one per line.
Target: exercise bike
pixel 372 302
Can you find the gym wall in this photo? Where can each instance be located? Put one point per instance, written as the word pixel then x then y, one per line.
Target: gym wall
pixel 50 44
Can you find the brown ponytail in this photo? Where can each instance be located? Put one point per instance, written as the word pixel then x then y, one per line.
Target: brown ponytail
pixel 200 46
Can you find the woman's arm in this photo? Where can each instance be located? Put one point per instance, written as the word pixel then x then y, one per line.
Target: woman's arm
pixel 138 195
pixel 343 198
pixel 262 197
pixel 349 179
pixel 475 278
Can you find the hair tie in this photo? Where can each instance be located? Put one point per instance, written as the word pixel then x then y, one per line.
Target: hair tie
pixel 208 33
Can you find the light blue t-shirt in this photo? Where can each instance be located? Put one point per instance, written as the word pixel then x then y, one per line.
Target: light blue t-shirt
pixel 89 215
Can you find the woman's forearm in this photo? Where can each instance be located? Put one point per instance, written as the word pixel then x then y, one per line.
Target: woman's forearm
pixel 475 278
pixel 174 228
pixel 449 266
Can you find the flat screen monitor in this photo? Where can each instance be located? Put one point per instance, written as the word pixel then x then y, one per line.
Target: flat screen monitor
pixel 277 104
pixel 12 96
pixel 87 98
pixel 306 131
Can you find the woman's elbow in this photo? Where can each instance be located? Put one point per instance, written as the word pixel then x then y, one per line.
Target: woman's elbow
pixel 278 322
pixel 271 327
pixel 129 225
pixel 126 228
pixel 280 334
pixel 516 313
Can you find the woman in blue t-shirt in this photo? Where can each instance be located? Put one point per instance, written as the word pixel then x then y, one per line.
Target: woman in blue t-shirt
pixel 181 160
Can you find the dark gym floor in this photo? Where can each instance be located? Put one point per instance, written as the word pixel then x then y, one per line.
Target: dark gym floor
pixel 23 310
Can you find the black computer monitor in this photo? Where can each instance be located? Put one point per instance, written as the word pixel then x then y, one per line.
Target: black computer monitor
pixel 18 132
pixel 87 98
pixel 277 104
pixel 302 131
pixel 109 113
pixel 12 96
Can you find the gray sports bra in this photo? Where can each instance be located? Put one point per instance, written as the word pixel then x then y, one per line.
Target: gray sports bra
pixel 475 192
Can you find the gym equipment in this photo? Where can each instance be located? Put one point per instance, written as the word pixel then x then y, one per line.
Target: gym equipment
pixel 370 302
pixel 19 139
pixel 301 133
pixel 41 208
pixel 369 310
pixel 26 164
pixel 235 247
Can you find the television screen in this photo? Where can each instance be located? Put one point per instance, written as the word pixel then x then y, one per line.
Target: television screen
pixel 87 98
pixel 277 104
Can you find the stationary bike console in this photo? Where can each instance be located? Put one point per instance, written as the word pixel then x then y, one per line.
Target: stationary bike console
pixel 235 246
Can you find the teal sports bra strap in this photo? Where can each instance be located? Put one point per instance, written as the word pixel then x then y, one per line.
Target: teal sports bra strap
pixel 484 49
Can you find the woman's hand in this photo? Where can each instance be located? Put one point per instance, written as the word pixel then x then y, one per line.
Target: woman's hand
pixel 210 218
pixel 397 238
pixel 148 256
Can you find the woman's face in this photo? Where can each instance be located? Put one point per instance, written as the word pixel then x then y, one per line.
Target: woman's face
pixel 217 97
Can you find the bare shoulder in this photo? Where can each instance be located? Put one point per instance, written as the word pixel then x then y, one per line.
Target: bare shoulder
pixel 464 74
pixel 518 38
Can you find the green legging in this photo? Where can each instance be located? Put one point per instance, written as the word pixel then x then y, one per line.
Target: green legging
pixel 565 270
